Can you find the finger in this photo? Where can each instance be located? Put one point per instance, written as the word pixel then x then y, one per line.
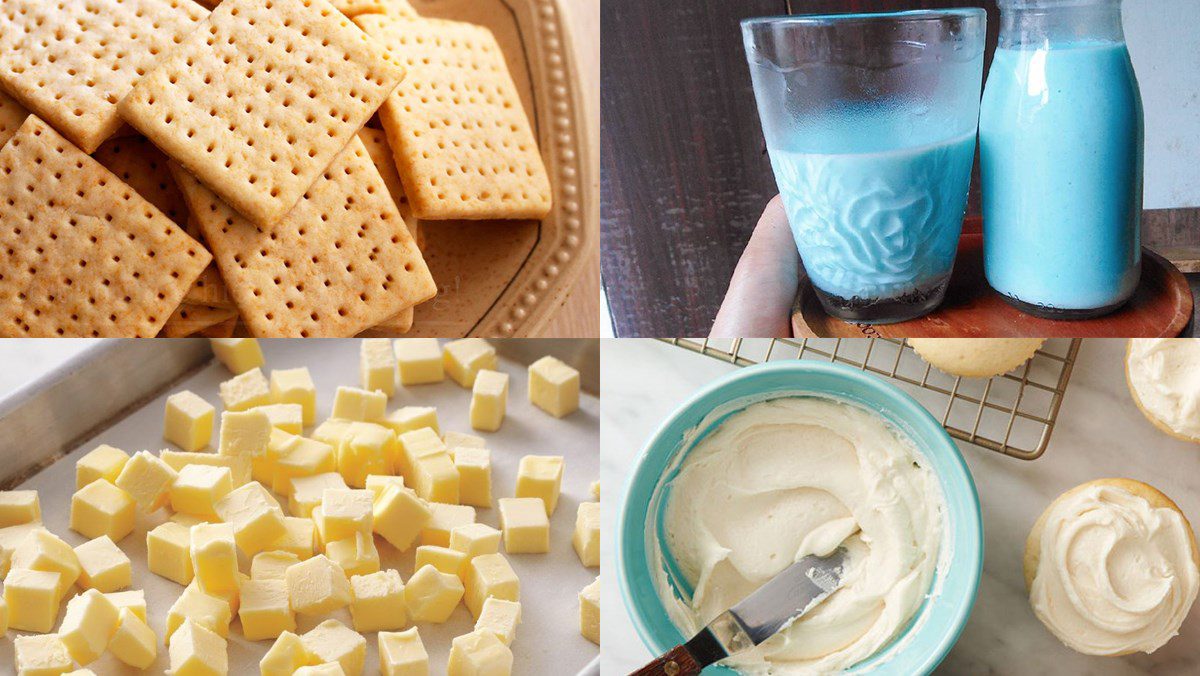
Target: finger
pixel 759 300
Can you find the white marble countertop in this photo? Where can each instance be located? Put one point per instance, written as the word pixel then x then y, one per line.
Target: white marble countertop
pixel 1100 433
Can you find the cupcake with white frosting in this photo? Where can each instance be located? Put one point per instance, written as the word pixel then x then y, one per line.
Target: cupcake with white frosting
pixel 976 357
pixel 1164 378
pixel 1112 568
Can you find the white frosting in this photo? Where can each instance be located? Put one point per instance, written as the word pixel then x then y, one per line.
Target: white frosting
pixel 1115 574
pixel 785 478
pixel 1165 374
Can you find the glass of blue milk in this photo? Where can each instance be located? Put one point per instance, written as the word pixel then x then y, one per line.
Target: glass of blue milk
pixel 1060 138
pixel 870 124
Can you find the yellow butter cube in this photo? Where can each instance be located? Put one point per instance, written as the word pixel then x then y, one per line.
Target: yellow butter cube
pixel 377 601
pixel 457 439
pixel 553 386
pixel 377 365
pixel 199 487
pixel 307 492
pixel 490 575
pixel 103 566
pixel 431 595
pixel 436 479
pixel 332 641
pixel 399 516
pixel 244 433
pixel 10 538
pixel 272 565
pixel 214 556
pixel 474 467
pixel 43 550
pixel 211 612
pixel 489 399
pixel 295 386
pixel 463 359
pixel 231 596
pixel 237 354
pixel 245 391
pixel 197 651
pixel 525 525
pixel 376 483
pixel 325 669
pixel 317 586
pixel 239 466
pixel 147 479
pixel 589 611
pixel 188 421
pixel 102 462
pixel 444 559
pixel 479 653
pixel 345 512
pixel 414 445
pixel 168 552
pixel 595 488
pixel 409 418
pixel 299 456
pixel 44 655
pixel 18 507
pixel 352 403
pixel 90 621
pixel 256 517
pixel 401 653
pixel 365 449
pixel 443 519
pixel 286 417
pixel 32 598
pixel 134 642
pixel 356 554
pixel 332 431
pixel 540 476
pixel 134 600
pixel 265 609
pixel 287 654
pixel 587 534
pixel 500 617
pixel 475 539
pixel 419 361
pixel 298 538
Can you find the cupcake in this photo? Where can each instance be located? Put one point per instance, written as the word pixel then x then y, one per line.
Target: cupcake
pixel 1164 378
pixel 976 357
pixel 1112 568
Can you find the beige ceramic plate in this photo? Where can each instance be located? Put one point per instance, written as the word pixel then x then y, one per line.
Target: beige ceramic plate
pixel 506 278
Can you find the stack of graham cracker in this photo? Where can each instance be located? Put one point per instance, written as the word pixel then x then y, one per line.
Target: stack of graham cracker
pixel 166 170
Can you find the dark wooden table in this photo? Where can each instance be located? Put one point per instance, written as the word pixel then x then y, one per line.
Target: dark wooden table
pixel 684 170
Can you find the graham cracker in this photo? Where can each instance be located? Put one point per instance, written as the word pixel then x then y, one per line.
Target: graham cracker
pixel 143 167
pixel 220 330
pixel 342 260
pixel 85 255
pixel 209 289
pixel 398 324
pixel 189 319
pixel 12 114
pixel 261 98
pixel 463 145
pixel 381 154
pixel 71 61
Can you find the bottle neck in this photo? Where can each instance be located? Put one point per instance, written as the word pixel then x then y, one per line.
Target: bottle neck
pixel 1037 23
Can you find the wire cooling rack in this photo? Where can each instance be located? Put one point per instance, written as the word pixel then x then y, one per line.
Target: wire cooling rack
pixel 1013 414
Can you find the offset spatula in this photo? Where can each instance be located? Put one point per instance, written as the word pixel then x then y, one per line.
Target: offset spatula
pixel 801 587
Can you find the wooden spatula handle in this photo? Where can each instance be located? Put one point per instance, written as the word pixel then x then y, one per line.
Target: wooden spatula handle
pixel 676 662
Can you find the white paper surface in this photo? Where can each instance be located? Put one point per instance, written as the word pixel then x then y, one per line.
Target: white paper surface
pixel 547 640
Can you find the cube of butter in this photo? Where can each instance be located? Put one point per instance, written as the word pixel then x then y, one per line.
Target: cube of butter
pixel 589 611
pixel 307 492
pixel 102 462
pixel 90 621
pixel 474 467
pixel 553 386
pixel 332 431
pixel 409 418
pixel 431 595
pixel 540 476
pixel 436 479
pixel 419 361
pixel 401 653
pixel 254 514
pixel 103 566
pixel 244 433
pixel 475 539
pixel 377 601
pixel 376 483
pixel 18 507
pixel 44 655
pixel 414 445
pixel 209 611
pixel 489 399
pixel 479 653
pixel 188 421
pixel 199 651
pixel 353 403
pixel 32 598
pixel 345 512
pixel 525 525
pixel 134 642
pixel 399 516
pixel 43 550
pixel 365 449
pixel 499 617
pixel 377 365
pixel 317 586
pixel 300 457
pixel 298 538
pixel 147 479
pixel 237 354
pixel 444 559
pixel 239 466
pixel 271 565
pixel 134 600
pixel 456 439
pixel 265 610
pixel 331 641
pixel 464 358
pixel 232 596
pixel 168 552
pixel 356 555
pixel 100 508
pixel 245 391
pixel 198 487
pixel 287 654
pixel 490 575
pixel 295 386
pixel 214 556
pixel 587 534
pixel 286 417
pixel 443 519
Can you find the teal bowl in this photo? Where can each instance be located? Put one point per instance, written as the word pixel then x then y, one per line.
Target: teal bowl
pixel 940 619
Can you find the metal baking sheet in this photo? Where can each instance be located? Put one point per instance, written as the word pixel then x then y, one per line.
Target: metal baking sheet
pixel 116 393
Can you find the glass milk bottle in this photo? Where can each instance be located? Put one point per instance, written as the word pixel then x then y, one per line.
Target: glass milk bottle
pixel 1060 135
